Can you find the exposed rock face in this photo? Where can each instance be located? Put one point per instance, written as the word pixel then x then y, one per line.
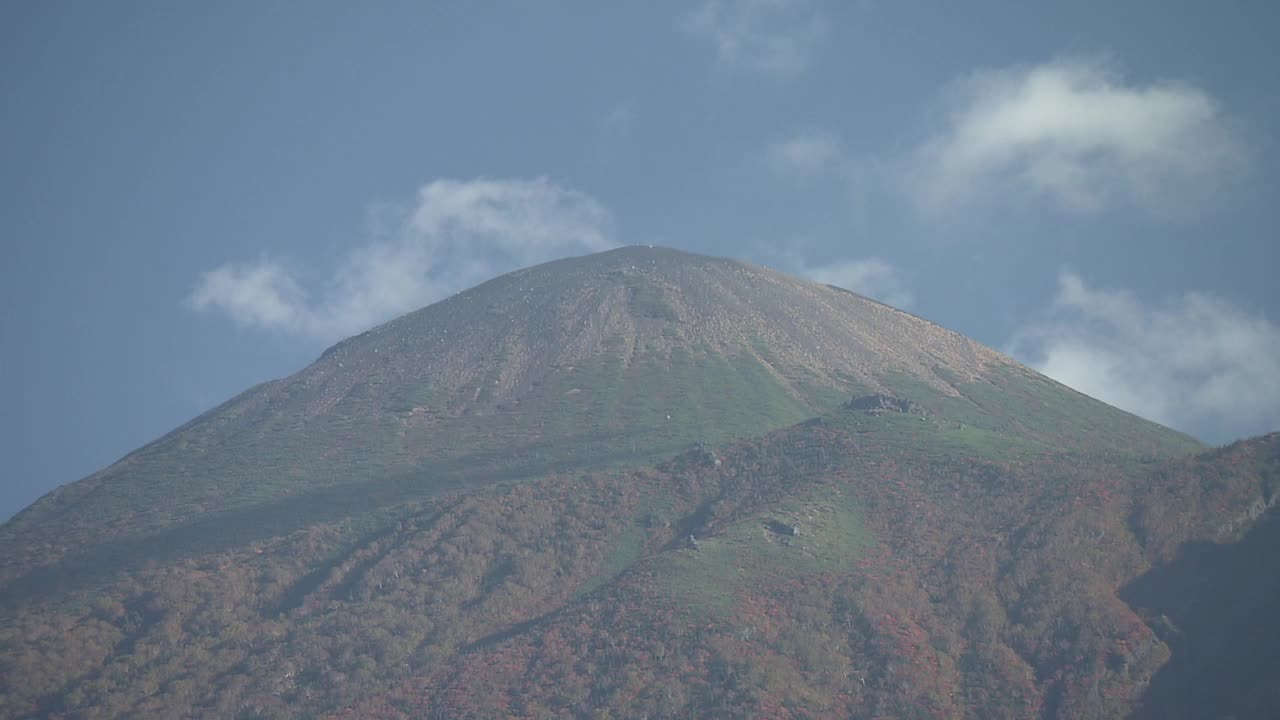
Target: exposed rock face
pixel 783 528
pixel 884 403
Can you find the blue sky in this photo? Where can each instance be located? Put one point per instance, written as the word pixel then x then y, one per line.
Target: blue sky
pixel 198 197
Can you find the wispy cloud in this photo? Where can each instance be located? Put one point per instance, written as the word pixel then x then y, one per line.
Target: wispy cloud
pixel 1075 133
pixel 773 37
pixel 1196 362
pixel 871 277
pixel 261 294
pixel 457 234
pixel 806 154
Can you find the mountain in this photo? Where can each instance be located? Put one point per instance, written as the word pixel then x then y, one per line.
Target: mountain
pixel 639 483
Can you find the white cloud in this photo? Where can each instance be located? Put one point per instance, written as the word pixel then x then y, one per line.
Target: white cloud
pixel 806 154
pixel 262 294
pixel 458 234
pixel 871 277
pixel 1195 362
pixel 1071 131
pixel 774 37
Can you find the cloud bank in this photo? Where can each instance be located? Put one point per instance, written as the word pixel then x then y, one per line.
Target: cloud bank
pixel 871 277
pixel 772 37
pixel 1074 133
pixel 1195 362
pixel 457 234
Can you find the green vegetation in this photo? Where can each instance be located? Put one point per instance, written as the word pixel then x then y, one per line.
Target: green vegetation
pixel 929 561
pixel 484 509
pixel 931 437
pixel 1015 402
pixel 752 554
pixel 623 551
pixel 606 412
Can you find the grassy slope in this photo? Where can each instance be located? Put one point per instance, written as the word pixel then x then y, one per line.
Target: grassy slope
pixel 894 568
pixel 601 414
pixel 901 563
pixel 481 529
pixel 609 412
pixel 750 553
pixel 613 361
pixel 1018 403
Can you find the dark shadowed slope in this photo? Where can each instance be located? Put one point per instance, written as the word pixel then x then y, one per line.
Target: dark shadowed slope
pixel 1217 603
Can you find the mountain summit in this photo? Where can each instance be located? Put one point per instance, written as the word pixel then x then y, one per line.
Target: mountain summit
pixel 641 482
pixel 606 360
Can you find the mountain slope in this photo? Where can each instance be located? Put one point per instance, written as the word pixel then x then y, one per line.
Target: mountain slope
pixel 888 602
pixel 830 576
pixel 641 482
pixel 616 359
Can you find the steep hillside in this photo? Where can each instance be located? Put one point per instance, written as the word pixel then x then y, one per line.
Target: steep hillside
pixel 643 483
pixel 611 360
pixel 816 572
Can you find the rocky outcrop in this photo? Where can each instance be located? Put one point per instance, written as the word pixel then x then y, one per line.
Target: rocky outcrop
pixel 884 403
